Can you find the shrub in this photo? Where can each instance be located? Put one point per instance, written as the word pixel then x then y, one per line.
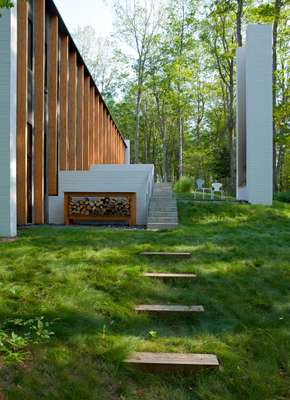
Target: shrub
pixel 184 185
pixel 283 196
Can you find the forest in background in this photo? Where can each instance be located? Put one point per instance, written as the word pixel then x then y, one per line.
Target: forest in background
pixel 168 73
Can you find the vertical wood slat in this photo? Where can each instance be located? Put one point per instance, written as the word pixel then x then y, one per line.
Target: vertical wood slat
pixel 120 151
pixel 123 153
pixel 52 108
pixel 63 98
pixel 108 138
pixel 113 142
pixel 122 160
pixel 86 124
pixel 93 124
pixel 21 144
pixel 91 140
pixel 39 112
pixel 90 126
pixel 72 109
pixel 106 135
pixel 101 136
pixel 97 130
pixel 116 145
pixel 110 142
pixel 80 118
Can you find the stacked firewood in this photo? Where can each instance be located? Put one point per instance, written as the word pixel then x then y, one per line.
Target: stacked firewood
pixel 100 206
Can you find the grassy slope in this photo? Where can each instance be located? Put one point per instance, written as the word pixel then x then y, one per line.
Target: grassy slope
pixel 87 281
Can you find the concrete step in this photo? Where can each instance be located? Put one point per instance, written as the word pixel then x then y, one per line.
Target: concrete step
pixel 157 226
pixel 165 199
pixel 162 204
pixel 164 213
pixel 162 209
pixel 165 220
pixel 163 309
pixel 172 362
pixel 154 217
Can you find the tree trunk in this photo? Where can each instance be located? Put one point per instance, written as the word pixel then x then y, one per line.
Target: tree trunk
pixel 239 22
pixel 163 139
pixel 231 126
pixel 137 124
pixel 180 149
pixel 180 119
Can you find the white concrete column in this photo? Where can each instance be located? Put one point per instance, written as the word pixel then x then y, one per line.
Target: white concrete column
pixel 127 152
pixel 8 77
pixel 259 114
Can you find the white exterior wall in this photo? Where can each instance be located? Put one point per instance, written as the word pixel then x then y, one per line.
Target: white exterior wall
pixel 8 76
pixel 259 117
pixel 106 178
pixel 254 113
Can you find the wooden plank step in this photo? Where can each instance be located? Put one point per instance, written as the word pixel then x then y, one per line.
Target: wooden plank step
pixel 168 308
pixel 166 254
pixel 161 275
pixel 172 362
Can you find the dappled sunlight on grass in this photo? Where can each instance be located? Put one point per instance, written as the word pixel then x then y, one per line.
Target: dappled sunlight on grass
pixel 85 282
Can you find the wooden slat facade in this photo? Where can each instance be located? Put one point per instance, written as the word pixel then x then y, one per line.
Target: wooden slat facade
pixel 52 108
pixel 62 121
pixel 72 109
pixel 39 111
pixel 80 118
pixel 86 124
pixel 22 51
pixel 63 102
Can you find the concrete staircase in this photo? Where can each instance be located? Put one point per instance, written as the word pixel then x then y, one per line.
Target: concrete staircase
pixel 163 209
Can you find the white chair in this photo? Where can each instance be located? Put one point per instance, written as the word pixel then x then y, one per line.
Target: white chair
pixel 200 188
pixel 216 187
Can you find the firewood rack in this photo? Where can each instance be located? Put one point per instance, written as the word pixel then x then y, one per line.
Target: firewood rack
pixel 71 219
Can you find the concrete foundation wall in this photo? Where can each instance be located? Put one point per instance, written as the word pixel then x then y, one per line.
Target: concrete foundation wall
pixel 106 178
pixel 8 70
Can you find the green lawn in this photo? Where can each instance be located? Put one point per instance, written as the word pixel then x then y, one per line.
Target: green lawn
pixel 85 282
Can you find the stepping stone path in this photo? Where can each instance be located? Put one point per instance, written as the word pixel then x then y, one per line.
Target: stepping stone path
pixel 163 208
pixel 170 362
